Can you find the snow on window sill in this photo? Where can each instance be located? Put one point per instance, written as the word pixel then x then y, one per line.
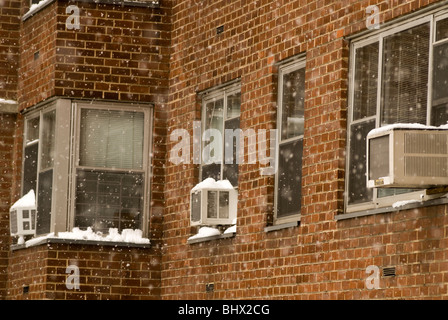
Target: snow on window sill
pixel 8 106
pixel 135 3
pixel 208 234
pixel 210 238
pixel 128 238
pixel 50 241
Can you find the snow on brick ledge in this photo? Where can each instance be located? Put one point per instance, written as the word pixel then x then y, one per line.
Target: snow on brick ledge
pixel 126 236
pixel 210 183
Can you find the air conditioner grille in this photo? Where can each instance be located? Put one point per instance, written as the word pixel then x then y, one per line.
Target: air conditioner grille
pixel 196 206
pixel 419 143
pixel 379 159
pixel 13 217
pixel 426 166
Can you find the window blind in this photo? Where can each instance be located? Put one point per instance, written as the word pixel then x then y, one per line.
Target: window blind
pixel 405 76
pixel 111 139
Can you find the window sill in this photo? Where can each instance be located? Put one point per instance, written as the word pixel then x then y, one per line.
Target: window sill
pixel 211 238
pixel 131 3
pixel 414 205
pixel 282 226
pixel 15 247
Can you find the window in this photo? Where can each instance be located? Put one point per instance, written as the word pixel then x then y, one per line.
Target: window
pixel 89 164
pixel 110 170
pixel 290 125
pixel 221 134
pixel 38 163
pixel 398 75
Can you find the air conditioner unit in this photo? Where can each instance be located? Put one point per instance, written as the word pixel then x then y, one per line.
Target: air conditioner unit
pixel 212 204
pixel 407 156
pixel 22 216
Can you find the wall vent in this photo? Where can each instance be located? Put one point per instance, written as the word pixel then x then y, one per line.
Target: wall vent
pixel 209 287
pixel 389 272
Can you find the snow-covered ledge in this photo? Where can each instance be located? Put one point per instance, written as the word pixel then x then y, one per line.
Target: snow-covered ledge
pixel 8 106
pixel 133 3
pixel 208 234
pixel 128 238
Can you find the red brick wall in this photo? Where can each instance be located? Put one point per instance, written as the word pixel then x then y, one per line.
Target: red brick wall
pixel 105 272
pixel 322 258
pixel 7 130
pixel 119 53
pixel 165 56
pixel 9 48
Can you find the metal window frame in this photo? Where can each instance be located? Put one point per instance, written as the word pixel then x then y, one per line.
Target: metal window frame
pixel 286 68
pixel 148 112
pixel 378 36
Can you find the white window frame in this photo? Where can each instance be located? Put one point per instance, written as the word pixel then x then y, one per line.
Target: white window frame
pixel 66 159
pixel 378 36
pixel 286 68
pixel 60 168
pixel 147 146
pixel 211 95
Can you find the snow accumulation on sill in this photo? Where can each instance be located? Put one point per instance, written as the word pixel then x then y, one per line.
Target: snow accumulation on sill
pixel 4 101
pixel 205 232
pixel 211 183
pixel 406 126
pixel 403 203
pixel 36 6
pixel 127 236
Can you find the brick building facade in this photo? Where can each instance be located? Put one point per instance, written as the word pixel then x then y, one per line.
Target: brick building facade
pixel 323 73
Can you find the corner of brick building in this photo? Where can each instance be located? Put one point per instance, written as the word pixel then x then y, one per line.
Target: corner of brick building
pixel 121 53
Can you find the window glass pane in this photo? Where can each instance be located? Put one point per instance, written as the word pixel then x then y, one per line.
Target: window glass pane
pixel 111 139
pixel 293 104
pixel 48 138
pixel 233 105
pixel 385 192
pixel 30 168
pixel 108 200
pixel 289 178
pixel 224 204
pixel 442 29
pixel 357 181
pixel 366 81
pixel 211 171
pixel 212 204
pixel 405 76
pixel 440 85
pixel 232 152
pixel 44 196
pixel 214 111
pixel 32 130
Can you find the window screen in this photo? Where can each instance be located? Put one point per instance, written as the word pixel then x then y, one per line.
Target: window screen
pixel 366 81
pixel 289 179
pixel 293 104
pixel 108 200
